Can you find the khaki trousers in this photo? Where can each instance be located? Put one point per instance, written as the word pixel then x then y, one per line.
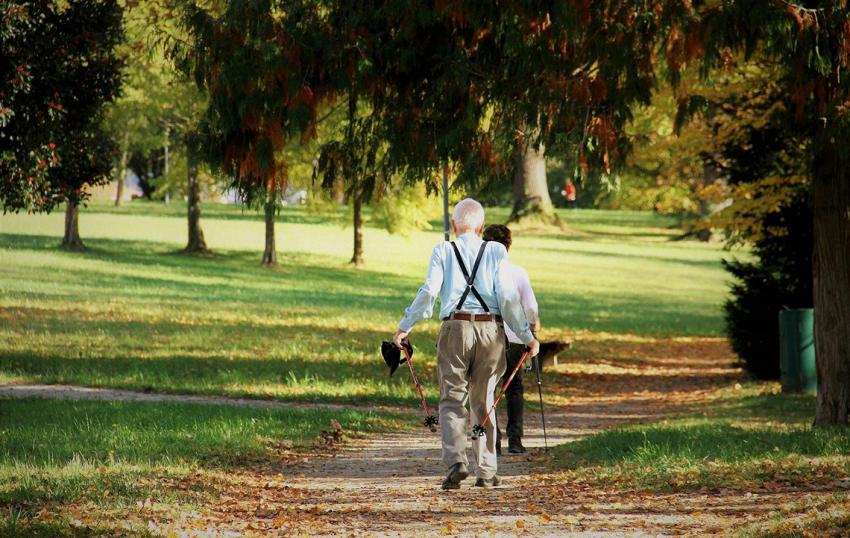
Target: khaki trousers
pixel 470 360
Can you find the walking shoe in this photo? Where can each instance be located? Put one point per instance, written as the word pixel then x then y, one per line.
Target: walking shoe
pixel 515 446
pixel 457 473
pixel 488 482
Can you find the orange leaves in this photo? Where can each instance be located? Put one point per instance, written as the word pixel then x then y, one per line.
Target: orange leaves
pixel 564 46
pixel 539 25
pixel 606 136
pixel 479 36
pixel 684 46
pixel 845 44
pixel 247 164
pixel 273 131
pixel 796 14
pixel 803 18
pixel 675 49
pixel 598 90
pixel 485 152
pixel 586 90
pixel 582 162
pixel 694 42
pixel 306 94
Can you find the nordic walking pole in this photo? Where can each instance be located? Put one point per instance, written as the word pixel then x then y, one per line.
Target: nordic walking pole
pixel 431 421
pixel 478 429
pixel 540 395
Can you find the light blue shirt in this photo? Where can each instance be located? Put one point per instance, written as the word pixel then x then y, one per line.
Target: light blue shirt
pixel 493 281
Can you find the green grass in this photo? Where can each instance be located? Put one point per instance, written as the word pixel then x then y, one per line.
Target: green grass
pixel 134 314
pixel 36 432
pixel 120 453
pixel 743 440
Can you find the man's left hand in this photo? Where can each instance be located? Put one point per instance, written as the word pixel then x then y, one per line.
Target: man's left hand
pixel 400 336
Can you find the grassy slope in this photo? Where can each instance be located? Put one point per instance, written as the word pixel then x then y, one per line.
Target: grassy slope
pixel 134 314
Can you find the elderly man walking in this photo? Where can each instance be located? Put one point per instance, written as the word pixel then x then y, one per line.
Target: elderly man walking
pixel 476 294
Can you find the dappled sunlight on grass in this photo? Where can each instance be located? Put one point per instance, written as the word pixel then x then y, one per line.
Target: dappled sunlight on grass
pixel 133 314
pixel 748 436
pixel 617 284
pixel 643 313
pixel 673 373
pixel 90 463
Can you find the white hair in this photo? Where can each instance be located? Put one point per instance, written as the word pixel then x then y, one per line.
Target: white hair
pixel 468 215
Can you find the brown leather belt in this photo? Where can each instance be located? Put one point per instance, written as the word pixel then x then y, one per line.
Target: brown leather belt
pixel 474 317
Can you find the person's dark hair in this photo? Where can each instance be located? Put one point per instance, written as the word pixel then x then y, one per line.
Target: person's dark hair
pixel 499 233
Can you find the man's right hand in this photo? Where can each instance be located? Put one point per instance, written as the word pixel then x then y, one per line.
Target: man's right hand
pixel 399 337
pixel 533 348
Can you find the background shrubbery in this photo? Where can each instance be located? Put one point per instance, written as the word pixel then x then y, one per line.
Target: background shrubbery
pixel 781 277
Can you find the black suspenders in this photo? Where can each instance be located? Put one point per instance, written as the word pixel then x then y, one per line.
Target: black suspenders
pixel 470 278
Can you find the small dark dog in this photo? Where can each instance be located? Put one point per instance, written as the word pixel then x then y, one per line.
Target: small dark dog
pixel 549 352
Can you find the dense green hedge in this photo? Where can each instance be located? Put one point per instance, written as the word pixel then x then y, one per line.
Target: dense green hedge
pixel 780 278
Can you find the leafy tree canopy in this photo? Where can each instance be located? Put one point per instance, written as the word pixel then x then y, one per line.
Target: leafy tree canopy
pixel 58 67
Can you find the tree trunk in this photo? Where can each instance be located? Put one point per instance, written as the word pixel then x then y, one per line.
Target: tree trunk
pixel 122 169
pixel 531 190
pixel 72 240
pixel 357 257
pixel 196 243
pixel 270 253
pixel 167 170
pixel 353 179
pixel 339 191
pixel 831 266
pixel 709 176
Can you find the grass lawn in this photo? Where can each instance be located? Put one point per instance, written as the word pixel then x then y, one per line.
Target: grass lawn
pixel 753 440
pixel 745 438
pixel 62 458
pixel 133 313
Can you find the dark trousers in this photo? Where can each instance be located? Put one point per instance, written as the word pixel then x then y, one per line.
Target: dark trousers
pixel 514 394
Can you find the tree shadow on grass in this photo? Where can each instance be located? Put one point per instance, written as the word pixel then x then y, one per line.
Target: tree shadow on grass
pixel 304 279
pixel 735 431
pixel 701 442
pixel 359 382
pixel 152 272
pixel 623 256
pixel 336 216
